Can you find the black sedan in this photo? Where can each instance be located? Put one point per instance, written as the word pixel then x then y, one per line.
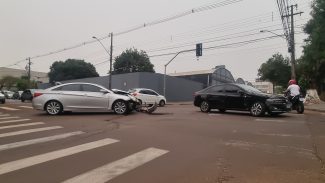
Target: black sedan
pixel 240 97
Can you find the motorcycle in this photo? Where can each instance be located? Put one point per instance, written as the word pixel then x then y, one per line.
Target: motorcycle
pixel 297 102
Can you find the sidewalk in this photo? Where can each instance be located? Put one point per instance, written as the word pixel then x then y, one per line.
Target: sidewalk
pixel 316 107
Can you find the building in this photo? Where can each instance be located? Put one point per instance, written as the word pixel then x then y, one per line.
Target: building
pixel 266 87
pixel 214 76
pixel 37 76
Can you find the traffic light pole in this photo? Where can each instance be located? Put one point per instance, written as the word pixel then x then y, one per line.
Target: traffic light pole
pixel 169 63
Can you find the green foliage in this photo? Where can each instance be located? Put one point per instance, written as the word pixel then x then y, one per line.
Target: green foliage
pixel 276 70
pixel 71 69
pixel 312 63
pixel 8 82
pixel 132 60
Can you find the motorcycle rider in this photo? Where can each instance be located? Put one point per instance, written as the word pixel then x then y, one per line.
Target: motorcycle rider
pixel 293 88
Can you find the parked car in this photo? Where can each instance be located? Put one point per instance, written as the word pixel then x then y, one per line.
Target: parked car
pixel 148 96
pixel 240 97
pixel 2 98
pixel 7 94
pixel 27 95
pixel 81 97
pixel 17 95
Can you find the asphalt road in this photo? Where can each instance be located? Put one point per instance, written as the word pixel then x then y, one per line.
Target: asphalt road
pixel 176 144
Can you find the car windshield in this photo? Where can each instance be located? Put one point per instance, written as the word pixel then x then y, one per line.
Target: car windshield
pixel 249 88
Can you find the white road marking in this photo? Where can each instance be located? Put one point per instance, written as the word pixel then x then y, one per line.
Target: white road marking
pixel 21 125
pixel 284 135
pixel 116 168
pixel 9 108
pixel 29 131
pixel 3 115
pixel 38 140
pixel 14 121
pixel 27 107
pixel 42 158
pixel 323 113
pixel 13 117
pixel 214 114
pixel 270 120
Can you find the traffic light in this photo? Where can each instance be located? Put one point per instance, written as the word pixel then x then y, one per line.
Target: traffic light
pixel 199 49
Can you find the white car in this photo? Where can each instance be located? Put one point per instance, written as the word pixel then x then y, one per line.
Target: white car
pixel 2 98
pixel 148 96
pixel 81 97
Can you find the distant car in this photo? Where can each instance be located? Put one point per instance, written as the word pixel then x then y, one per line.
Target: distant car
pixel 81 97
pixel 7 94
pixel 148 96
pixel 17 95
pixel 27 95
pixel 240 97
pixel 2 98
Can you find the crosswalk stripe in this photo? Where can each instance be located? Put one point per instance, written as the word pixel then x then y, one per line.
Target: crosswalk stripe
pixel 42 158
pixel 21 125
pixel 9 108
pixel 114 169
pixel 270 120
pixel 38 140
pixel 29 131
pixel 12 117
pixel 14 121
pixel 27 107
pixel 3 115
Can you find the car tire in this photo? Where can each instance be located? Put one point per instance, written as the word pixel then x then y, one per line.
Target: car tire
pixel 205 106
pixel 53 107
pixel 3 101
pixel 120 107
pixel 257 109
pixel 22 100
pixel 162 103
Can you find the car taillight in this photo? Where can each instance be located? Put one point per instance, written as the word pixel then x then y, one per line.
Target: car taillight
pixel 134 94
pixel 37 94
pixel 194 94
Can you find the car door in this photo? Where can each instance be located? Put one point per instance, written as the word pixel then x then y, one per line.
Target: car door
pixel 154 96
pixel 215 96
pixel 146 97
pixel 234 97
pixel 94 98
pixel 70 96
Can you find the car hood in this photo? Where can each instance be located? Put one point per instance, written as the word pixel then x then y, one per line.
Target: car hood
pixel 268 96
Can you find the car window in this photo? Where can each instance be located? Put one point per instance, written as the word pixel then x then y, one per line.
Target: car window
pixel 57 89
pixel 215 89
pixel 149 92
pixel 90 88
pixel 71 87
pixel 231 89
pixel 143 91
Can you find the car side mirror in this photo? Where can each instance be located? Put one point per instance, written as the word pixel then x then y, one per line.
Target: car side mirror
pixel 103 91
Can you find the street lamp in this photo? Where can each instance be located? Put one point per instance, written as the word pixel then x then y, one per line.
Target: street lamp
pixel 110 60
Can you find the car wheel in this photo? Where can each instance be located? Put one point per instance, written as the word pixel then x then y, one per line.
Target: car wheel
pixel 300 108
pixel 120 107
pixel 22 100
pixel 162 103
pixel 257 109
pixel 53 107
pixel 205 106
pixel 3 101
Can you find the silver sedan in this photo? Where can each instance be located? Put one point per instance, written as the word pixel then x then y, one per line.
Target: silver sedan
pixel 81 97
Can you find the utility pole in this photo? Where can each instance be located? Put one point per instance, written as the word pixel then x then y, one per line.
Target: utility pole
pixel 110 63
pixel 28 71
pixel 292 45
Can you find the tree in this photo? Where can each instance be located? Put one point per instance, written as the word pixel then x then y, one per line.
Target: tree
pixel 8 82
pixel 312 63
pixel 276 70
pixel 71 69
pixel 132 60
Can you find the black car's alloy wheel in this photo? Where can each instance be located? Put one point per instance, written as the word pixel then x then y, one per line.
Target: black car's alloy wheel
pixel 205 106
pixel 120 107
pixel 257 109
pixel 53 107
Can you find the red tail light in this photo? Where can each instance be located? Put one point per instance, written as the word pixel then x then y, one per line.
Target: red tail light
pixel 37 94
pixel 134 94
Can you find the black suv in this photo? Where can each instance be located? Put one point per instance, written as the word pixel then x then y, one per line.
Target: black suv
pixel 240 97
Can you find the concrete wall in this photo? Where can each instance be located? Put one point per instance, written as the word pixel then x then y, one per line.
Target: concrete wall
pixel 177 89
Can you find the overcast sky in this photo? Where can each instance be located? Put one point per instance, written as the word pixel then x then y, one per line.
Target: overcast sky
pixel 35 27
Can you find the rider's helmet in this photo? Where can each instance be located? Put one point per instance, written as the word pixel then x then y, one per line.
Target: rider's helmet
pixel 291 82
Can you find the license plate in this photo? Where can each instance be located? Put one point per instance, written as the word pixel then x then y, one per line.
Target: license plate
pixel 301 99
